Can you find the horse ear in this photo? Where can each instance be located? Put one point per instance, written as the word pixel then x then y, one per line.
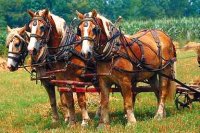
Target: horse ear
pixel 80 15
pixel 31 13
pixel 45 13
pixel 94 13
pixel 22 30
pixel 8 29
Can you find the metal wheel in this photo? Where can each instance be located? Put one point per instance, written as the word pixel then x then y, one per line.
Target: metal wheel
pixel 182 100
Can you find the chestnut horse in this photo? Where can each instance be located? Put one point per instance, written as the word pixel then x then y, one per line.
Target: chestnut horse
pixel 45 42
pixel 127 60
pixel 17 42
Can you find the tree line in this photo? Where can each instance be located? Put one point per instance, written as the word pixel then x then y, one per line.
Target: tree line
pixel 13 12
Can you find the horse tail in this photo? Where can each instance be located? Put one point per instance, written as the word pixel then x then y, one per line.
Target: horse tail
pixel 172 84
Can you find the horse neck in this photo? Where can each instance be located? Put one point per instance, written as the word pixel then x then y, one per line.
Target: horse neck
pixel 103 37
pixel 54 37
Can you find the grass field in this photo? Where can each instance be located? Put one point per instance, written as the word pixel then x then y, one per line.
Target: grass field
pixel 24 107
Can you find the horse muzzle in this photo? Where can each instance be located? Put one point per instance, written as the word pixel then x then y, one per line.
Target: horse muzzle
pixel 87 55
pixel 11 67
pixel 32 52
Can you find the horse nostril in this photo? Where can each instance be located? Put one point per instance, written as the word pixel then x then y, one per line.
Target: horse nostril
pixel 11 68
pixel 82 54
pixel 8 66
pixel 89 55
pixel 34 51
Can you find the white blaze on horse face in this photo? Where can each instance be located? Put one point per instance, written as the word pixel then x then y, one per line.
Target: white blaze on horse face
pixel 86 45
pixel 10 61
pixel 34 43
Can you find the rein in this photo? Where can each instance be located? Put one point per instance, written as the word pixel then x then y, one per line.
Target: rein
pixel 109 53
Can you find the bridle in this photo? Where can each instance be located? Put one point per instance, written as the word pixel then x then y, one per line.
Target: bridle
pixel 108 45
pixel 47 26
pixel 45 37
pixel 20 56
pixel 97 30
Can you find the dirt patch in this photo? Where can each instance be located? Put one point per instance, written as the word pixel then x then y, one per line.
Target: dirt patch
pixel 2 64
pixel 196 82
pixel 192 46
pixel 177 45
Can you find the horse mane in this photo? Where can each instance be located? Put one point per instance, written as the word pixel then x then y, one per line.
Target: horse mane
pixel 105 21
pixel 60 24
pixel 11 34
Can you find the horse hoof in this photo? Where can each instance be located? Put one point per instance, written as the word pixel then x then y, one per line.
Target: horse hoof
pixel 55 120
pixel 66 120
pixel 71 124
pixel 103 126
pixel 125 116
pixel 158 117
pixel 130 125
pixel 85 123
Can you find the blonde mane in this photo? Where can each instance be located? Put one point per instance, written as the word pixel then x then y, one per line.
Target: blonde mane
pixel 60 24
pixel 104 21
pixel 11 34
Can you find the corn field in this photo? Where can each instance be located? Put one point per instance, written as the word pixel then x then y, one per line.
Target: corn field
pixel 181 30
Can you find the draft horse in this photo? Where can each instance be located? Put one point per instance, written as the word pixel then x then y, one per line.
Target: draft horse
pixel 127 60
pixel 16 41
pixel 47 39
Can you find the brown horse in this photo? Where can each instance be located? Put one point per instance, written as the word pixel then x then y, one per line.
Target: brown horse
pixel 17 41
pixel 127 60
pixel 47 30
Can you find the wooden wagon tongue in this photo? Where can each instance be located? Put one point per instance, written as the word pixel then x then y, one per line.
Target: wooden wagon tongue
pixel 83 75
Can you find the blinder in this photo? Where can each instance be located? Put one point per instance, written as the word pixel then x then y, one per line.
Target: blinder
pixel 78 32
pixel 96 30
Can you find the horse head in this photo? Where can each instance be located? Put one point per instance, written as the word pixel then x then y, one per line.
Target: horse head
pixel 16 41
pixel 46 30
pixel 93 29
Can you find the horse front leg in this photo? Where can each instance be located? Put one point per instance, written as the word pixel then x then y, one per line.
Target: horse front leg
pixel 104 116
pixel 64 107
pixel 68 101
pixel 82 104
pixel 52 97
pixel 126 88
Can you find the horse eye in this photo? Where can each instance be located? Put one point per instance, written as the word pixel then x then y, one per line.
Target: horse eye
pixel 42 28
pixel 95 31
pixel 17 45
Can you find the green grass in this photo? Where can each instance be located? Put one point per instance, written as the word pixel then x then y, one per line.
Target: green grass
pixel 24 107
